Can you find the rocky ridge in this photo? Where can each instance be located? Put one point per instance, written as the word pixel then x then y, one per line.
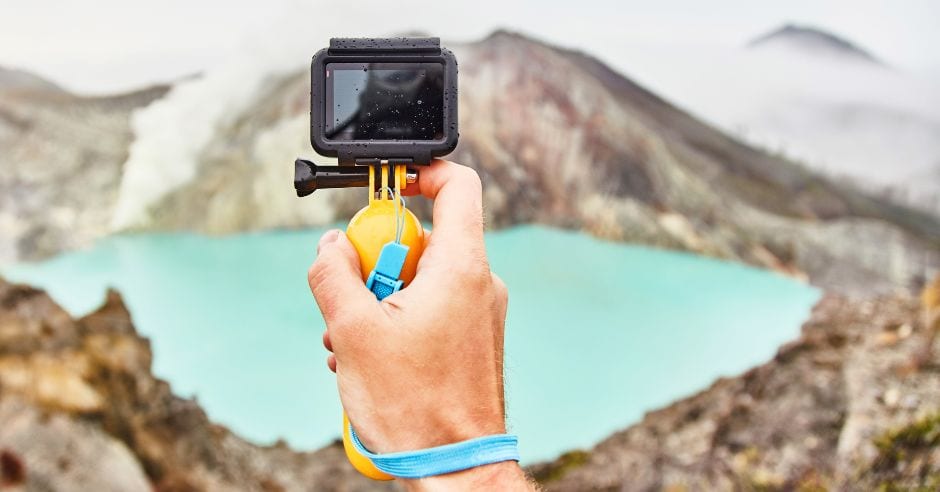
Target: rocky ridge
pixel 81 410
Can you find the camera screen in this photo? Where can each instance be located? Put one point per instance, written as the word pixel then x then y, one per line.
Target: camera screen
pixel 384 101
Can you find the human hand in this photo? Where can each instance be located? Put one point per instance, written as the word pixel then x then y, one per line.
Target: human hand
pixel 423 367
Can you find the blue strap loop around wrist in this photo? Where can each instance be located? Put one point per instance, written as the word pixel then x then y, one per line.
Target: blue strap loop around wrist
pixel 443 459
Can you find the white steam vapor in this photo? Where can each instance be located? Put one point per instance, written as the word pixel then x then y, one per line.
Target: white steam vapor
pixel 171 133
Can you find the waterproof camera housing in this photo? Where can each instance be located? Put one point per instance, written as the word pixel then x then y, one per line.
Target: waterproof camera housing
pixel 383 99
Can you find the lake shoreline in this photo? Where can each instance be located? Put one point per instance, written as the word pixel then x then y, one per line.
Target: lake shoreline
pixel 228 313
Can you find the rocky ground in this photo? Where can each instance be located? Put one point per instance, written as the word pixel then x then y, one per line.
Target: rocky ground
pixel 81 411
pixel 841 408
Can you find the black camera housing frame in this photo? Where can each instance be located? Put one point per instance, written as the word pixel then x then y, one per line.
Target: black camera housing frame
pixel 382 50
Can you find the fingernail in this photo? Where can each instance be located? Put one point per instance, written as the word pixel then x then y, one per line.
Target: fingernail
pixel 327 238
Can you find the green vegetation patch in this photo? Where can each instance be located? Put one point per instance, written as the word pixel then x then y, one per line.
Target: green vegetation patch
pixel 905 459
pixel 894 446
pixel 564 464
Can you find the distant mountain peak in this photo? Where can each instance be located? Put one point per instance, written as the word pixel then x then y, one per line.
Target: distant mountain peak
pixel 508 37
pixel 813 40
pixel 503 35
pixel 504 32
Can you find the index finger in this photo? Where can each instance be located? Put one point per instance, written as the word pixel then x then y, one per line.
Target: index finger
pixel 458 203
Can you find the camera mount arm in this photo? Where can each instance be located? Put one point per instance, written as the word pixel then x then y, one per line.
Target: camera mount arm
pixel 309 177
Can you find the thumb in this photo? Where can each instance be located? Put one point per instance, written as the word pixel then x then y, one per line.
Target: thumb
pixel 335 278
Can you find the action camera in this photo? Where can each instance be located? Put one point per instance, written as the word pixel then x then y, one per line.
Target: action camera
pixel 383 99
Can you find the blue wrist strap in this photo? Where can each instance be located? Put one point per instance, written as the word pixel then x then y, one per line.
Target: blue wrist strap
pixel 443 459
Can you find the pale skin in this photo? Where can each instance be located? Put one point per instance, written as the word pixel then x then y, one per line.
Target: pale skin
pixel 423 367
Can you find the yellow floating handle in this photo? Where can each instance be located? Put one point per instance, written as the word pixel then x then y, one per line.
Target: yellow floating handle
pixel 362 464
pixel 369 230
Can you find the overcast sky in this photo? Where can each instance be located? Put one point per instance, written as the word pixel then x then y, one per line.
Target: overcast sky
pixel 109 45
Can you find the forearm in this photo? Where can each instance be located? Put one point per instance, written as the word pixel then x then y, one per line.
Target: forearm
pixel 505 476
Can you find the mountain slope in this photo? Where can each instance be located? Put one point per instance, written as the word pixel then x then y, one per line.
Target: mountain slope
pixel 796 190
pixel 61 160
pixel 559 138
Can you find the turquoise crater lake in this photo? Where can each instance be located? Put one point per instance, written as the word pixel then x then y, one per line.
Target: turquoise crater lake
pixel 598 332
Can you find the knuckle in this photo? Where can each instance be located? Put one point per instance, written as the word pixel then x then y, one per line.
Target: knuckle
pixel 317 274
pixel 473 272
pixel 313 272
pixel 502 292
pixel 347 328
pixel 344 321
pixel 463 274
pixel 329 261
pixel 471 177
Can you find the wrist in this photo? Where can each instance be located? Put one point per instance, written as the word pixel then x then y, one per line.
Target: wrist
pixel 408 431
pixel 503 476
